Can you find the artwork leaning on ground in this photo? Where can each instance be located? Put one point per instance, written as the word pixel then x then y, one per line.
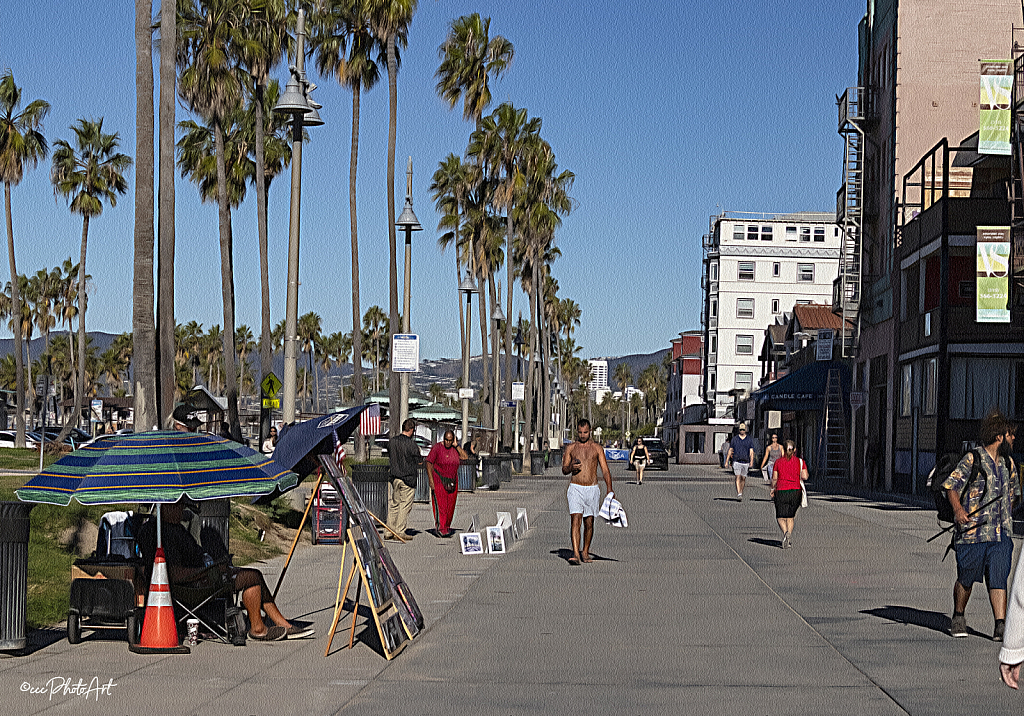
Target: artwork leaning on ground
pixel 395 612
pixel 497 538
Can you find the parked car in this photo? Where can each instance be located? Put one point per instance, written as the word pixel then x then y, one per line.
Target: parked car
pixel 422 442
pixel 7 440
pixel 659 455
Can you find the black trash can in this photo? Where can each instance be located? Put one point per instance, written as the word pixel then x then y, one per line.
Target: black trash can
pixel 492 472
pixel 467 475
pixel 536 462
pixel 507 460
pixel 555 461
pixel 517 463
pixel 14 529
pixel 422 486
pixel 372 482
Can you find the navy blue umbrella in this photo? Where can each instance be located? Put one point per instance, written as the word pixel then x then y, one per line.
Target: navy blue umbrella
pixel 300 443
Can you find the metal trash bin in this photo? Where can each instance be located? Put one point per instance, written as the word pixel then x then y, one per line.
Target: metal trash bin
pixel 467 475
pixel 517 463
pixel 507 460
pixel 536 462
pixel 422 486
pixel 492 472
pixel 555 460
pixel 14 531
pixel 372 482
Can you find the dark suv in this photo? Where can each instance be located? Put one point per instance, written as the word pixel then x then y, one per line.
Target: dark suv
pixel 659 455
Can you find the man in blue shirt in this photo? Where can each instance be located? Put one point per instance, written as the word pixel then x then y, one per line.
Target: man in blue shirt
pixel 741 453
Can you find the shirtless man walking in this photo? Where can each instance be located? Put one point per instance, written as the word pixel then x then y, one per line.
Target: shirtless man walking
pixel 581 460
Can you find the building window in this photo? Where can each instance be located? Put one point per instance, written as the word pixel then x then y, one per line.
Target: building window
pixel 714 272
pixel 766 233
pixel 805 233
pixel 746 271
pixel 805 272
pixel 790 233
pixel 819 233
pixel 906 383
pixel 714 308
pixel 931 376
pixel 776 269
pixel 744 308
pixel 712 380
pixel 752 233
pixel 745 345
pixel 744 381
pixel 714 345
pixel 775 305
pixel 694 443
pixel 737 232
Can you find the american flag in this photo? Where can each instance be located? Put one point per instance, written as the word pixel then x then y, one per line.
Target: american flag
pixel 339 453
pixel 369 421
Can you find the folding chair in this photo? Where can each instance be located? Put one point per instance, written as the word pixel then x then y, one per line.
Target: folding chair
pixel 214 603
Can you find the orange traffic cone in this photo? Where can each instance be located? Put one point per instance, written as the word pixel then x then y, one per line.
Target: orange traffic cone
pixel 159 628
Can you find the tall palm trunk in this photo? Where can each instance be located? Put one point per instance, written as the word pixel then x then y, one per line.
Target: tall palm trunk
pixel 227 282
pixel 357 338
pixel 143 327
pixel 495 349
pixel 546 400
pixel 507 392
pixel 394 389
pixel 266 354
pixel 528 433
pixel 80 382
pixel 485 392
pixel 19 365
pixel 164 354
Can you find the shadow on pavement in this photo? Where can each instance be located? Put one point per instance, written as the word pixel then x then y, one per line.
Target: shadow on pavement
pixel 935 621
pixel 766 542
pixel 728 499
pixel 565 553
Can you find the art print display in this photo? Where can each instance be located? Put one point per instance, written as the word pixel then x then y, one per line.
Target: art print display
pixel 495 540
pixel 471 543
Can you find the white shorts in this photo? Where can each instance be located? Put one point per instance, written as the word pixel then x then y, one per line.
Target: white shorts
pixel 584 499
pixel 739 469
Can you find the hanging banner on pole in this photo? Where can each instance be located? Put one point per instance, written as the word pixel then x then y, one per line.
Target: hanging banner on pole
pixel 993 279
pixel 994 122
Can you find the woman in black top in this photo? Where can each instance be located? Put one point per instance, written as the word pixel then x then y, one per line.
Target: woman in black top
pixel 639 457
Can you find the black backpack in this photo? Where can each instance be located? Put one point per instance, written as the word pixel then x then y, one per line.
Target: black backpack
pixel 943 468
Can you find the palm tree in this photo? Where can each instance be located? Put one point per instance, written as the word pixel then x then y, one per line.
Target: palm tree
pixel 468 59
pixel 376 327
pixel 87 177
pixel 21 144
pixel 164 349
pixel 337 350
pixel 622 376
pixel 451 184
pixel 143 290
pixel 213 350
pixel 389 20
pixel 212 37
pixel 245 344
pixel 308 333
pixel 267 34
pixel 343 26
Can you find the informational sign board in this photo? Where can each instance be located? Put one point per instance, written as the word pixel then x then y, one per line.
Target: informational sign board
pixel 272 403
pixel 994 107
pixel 405 353
pixel 518 391
pixel 774 419
pixel 97 410
pixel 466 393
pixel 824 344
pixel 857 399
pixel 508 404
pixel 993 274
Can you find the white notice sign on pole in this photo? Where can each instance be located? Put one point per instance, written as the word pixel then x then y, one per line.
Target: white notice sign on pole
pixel 405 353
pixel 518 391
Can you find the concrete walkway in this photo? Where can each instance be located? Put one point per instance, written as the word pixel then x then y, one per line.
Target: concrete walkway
pixel 692 609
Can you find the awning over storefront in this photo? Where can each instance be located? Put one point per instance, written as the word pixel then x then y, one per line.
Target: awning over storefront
pixel 803 389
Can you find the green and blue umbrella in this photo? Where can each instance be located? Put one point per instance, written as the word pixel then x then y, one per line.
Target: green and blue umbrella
pixel 157 466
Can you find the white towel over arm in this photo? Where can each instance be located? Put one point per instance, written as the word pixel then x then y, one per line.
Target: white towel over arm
pixel 611 510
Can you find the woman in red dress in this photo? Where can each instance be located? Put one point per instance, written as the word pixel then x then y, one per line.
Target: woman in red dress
pixel 443 468
pixel 789 471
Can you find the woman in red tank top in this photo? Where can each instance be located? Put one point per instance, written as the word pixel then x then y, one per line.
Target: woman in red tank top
pixel 788 472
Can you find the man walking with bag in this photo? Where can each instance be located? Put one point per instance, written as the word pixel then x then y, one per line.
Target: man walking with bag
pixel 405 460
pixel 983 541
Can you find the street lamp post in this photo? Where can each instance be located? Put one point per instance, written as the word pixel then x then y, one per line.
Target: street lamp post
pixel 408 221
pixel 518 342
pixel 498 317
pixel 296 102
pixel 468 287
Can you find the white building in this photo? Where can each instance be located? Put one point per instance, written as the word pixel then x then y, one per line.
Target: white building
pixel 598 375
pixel 756 268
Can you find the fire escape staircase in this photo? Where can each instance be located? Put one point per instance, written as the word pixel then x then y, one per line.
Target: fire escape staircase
pixel 833 455
pixel 846 290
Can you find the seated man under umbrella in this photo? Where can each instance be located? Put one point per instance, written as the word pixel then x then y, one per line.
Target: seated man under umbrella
pixel 187 564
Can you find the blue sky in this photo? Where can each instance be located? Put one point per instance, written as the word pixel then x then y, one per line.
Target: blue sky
pixel 667 112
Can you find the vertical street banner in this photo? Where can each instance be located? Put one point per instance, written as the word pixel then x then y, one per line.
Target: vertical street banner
pixel 993 274
pixel 994 124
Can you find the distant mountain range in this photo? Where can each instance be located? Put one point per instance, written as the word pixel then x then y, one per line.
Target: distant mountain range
pixel 445 371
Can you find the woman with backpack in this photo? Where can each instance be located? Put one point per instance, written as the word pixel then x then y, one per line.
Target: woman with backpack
pixel 788 474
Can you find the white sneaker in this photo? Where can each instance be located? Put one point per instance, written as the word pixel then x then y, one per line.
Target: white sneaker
pixel 740 496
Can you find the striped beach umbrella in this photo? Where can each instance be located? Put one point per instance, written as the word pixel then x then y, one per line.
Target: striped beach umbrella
pixel 157 466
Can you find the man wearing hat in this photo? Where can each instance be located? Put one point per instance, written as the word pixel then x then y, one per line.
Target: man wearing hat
pixel 185 420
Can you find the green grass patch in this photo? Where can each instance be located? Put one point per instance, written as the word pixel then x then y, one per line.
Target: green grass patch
pixel 23 459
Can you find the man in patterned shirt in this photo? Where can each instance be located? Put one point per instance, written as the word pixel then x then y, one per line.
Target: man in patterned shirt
pixel 983 542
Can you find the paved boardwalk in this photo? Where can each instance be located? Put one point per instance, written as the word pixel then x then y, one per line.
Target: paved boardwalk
pixel 692 609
